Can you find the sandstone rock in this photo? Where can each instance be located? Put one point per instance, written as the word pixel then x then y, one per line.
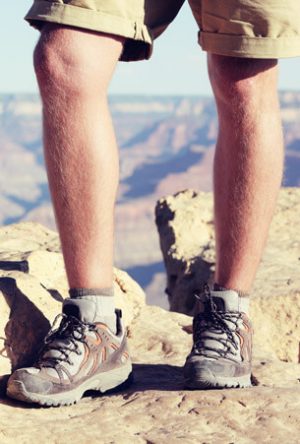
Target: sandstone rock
pixel 155 408
pixel 33 286
pixel 185 227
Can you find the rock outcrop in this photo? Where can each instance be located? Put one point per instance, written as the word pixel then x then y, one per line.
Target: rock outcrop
pixel 185 226
pixel 155 408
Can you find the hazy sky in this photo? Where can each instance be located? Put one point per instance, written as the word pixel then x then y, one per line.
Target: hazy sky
pixel 178 66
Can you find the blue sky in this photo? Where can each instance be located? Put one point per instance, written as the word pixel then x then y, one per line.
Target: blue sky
pixel 178 65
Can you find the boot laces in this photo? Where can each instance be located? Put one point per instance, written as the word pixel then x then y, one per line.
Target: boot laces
pixel 216 326
pixel 64 339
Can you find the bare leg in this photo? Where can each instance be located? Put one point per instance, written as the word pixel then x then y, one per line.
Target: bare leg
pixel 248 164
pixel 74 69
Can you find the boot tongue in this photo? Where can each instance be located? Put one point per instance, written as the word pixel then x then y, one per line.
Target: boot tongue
pixel 229 300
pixel 81 308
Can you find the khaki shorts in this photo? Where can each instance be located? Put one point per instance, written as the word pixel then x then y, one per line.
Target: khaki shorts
pixel 240 28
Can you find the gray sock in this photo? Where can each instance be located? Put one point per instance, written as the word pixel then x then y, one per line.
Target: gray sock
pixel 94 305
pixel 242 296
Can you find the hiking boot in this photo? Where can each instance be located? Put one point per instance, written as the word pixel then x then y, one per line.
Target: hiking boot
pixel 77 356
pixel 222 333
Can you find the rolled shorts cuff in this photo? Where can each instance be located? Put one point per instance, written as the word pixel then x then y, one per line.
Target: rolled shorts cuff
pixel 250 47
pixel 137 47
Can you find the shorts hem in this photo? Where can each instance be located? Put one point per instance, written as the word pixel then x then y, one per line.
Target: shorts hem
pixel 250 47
pixel 138 47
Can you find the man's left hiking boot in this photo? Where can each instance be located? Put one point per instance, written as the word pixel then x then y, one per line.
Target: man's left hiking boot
pixel 77 356
pixel 222 348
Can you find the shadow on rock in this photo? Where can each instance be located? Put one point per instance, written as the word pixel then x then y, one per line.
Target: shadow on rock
pixel 145 377
pixel 26 327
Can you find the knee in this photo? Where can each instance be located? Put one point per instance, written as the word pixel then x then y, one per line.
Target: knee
pixel 238 80
pixel 63 66
pixel 51 65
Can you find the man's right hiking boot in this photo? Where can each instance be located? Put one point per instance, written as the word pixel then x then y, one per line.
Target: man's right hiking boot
pixel 222 348
pixel 77 356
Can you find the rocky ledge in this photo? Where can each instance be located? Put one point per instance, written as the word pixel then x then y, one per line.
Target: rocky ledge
pixel 155 408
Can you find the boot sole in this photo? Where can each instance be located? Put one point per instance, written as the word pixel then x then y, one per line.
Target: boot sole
pixel 102 382
pixel 208 381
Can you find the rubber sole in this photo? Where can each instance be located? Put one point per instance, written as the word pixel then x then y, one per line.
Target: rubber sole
pixel 208 381
pixel 102 382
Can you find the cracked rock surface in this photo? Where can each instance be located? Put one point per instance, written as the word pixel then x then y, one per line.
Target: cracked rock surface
pixel 155 408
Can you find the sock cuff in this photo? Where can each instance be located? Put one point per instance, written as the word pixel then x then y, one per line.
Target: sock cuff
pixel 242 294
pixel 79 292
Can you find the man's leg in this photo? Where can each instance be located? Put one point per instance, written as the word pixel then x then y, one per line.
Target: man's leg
pixel 74 69
pixel 248 164
pixel 247 176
